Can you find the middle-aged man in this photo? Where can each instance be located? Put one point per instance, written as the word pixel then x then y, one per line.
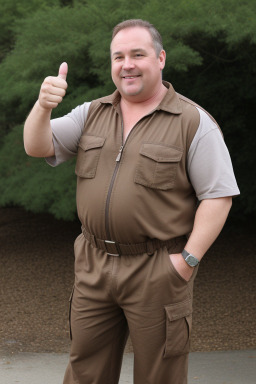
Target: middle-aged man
pixel 145 156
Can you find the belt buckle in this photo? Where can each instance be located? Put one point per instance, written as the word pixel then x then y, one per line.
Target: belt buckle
pixel 111 242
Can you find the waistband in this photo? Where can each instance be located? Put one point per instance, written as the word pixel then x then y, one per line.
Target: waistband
pixel 115 248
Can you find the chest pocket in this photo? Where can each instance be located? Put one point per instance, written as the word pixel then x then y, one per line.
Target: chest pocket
pixel 157 166
pixel 89 149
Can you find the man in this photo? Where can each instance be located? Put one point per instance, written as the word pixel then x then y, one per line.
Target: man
pixel 145 156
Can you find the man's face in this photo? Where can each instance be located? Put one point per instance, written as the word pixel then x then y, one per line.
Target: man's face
pixel 136 70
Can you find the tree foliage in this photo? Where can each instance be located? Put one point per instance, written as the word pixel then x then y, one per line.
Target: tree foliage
pixel 210 58
pixel 11 12
pixel 31 183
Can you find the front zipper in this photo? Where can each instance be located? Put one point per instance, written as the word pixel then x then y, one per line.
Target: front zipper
pixel 110 191
pixel 118 158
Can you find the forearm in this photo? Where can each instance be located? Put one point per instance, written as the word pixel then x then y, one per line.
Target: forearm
pixel 209 221
pixel 37 132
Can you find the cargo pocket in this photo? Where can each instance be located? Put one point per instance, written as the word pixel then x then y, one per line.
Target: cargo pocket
pixel 69 312
pixel 157 167
pixel 89 149
pixel 178 328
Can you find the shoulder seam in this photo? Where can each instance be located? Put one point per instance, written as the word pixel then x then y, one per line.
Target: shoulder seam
pixel 184 98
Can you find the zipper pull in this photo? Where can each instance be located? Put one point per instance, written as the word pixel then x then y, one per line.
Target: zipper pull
pixel 120 153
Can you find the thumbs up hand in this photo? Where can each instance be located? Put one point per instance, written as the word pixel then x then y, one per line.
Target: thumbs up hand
pixel 53 89
pixel 63 71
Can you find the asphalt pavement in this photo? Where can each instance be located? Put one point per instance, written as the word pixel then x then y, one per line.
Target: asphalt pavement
pixel 224 367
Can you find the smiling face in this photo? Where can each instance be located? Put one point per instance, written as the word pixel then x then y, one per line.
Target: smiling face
pixel 136 69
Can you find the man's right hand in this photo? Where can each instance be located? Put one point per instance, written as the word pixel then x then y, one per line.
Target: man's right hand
pixel 53 89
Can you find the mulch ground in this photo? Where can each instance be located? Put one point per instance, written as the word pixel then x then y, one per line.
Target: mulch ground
pixel 36 277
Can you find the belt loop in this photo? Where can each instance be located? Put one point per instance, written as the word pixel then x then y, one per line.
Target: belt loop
pixel 89 237
pixel 93 241
pixel 150 248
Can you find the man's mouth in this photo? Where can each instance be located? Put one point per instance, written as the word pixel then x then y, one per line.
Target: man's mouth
pixel 130 77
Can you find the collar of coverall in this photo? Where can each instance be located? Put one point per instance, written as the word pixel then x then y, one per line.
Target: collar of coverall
pixel 170 103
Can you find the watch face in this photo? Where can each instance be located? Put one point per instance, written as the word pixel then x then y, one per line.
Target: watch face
pixel 191 260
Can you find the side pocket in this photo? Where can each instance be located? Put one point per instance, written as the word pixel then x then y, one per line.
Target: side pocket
pixel 89 149
pixel 178 328
pixel 69 311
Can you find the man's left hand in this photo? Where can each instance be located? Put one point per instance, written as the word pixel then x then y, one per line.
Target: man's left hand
pixel 183 269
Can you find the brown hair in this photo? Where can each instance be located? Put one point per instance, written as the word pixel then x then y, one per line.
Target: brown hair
pixel 156 37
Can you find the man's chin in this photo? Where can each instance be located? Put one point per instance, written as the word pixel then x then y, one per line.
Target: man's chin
pixel 130 92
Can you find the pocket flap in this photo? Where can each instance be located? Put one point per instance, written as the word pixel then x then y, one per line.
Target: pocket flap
pixel 89 142
pixel 178 310
pixel 161 153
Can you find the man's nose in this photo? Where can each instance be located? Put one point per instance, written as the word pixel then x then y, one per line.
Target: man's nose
pixel 128 63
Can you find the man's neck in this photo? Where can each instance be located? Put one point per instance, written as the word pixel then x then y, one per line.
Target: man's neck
pixel 132 112
pixel 135 104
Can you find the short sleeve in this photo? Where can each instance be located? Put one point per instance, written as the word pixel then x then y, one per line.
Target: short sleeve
pixel 66 132
pixel 209 164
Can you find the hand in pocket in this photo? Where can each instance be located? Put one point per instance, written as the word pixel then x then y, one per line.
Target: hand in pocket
pixel 183 269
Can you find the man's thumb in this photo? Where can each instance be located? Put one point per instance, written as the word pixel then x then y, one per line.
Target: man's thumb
pixel 63 71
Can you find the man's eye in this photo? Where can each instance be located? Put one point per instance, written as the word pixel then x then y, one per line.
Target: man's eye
pixel 118 57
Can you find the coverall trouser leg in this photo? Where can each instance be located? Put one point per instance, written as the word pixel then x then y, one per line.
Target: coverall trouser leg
pixel 143 294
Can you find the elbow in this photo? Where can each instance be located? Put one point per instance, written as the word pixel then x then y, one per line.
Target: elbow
pixel 28 149
pixel 32 153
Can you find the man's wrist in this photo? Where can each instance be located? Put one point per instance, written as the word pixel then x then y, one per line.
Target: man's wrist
pixel 43 110
pixel 190 259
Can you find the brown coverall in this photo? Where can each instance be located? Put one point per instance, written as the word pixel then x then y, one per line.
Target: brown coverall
pixel 138 195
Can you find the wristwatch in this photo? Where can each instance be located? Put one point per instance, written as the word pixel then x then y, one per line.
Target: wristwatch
pixel 189 258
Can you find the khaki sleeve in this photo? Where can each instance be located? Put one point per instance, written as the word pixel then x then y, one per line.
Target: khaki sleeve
pixel 209 164
pixel 66 132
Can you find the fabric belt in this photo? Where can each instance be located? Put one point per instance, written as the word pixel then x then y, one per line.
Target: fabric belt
pixel 114 248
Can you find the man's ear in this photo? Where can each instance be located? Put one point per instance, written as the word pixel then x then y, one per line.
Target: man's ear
pixel 162 57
